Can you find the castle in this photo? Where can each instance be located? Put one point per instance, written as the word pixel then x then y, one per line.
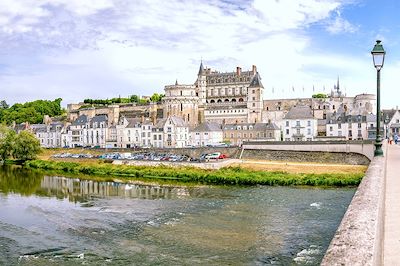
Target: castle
pixel 230 98
pixel 224 98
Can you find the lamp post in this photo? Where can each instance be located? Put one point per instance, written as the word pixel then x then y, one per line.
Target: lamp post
pixel 378 55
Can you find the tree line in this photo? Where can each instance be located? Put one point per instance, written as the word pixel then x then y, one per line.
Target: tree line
pixel 20 146
pixel 31 112
pixel 132 99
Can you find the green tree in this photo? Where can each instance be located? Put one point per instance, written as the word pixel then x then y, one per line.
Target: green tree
pixel 7 141
pixel 156 97
pixel 320 95
pixel 26 146
pixel 134 99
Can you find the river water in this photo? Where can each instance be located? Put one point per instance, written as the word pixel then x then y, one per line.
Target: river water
pixel 54 220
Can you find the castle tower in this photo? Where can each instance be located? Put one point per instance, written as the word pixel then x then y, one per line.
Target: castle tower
pixel 255 99
pixel 182 101
pixel 201 84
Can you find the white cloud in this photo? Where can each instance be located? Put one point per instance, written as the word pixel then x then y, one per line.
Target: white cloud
pixel 109 47
pixel 340 25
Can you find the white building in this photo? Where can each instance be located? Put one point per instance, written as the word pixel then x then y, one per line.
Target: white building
pixel 300 124
pixel 96 132
pixel 49 135
pixel 349 127
pixel 175 132
pixel 129 132
pixel 207 133
pixel 77 132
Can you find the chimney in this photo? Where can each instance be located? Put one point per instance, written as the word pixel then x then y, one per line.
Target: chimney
pixel 142 119
pixel 238 71
pixel 254 69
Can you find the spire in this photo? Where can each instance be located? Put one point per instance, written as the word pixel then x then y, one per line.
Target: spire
pixel 201 69
pixel 256 81
pixel 337 86
pixel 176 82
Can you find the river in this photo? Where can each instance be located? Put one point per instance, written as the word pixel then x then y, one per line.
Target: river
pixel 54 220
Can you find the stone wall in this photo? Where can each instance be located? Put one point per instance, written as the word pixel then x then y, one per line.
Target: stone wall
pixel 358 240
pixel 305 156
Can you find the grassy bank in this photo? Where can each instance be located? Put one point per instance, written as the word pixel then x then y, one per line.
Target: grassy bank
pixel 223 176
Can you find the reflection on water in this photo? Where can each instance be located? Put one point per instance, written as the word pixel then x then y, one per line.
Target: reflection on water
pixel 47 220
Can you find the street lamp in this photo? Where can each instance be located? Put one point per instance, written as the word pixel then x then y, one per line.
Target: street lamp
pixel 378 55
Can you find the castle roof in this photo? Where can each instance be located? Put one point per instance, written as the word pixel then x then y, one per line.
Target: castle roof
pixel 256 81
pixel 201 69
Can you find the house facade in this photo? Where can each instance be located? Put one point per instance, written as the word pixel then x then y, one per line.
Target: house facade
pixel 300 124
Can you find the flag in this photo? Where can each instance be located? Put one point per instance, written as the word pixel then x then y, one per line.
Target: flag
pixel 292 88
pixel 324 87
pixel 272 89
pixel 303 88
pixel 313 89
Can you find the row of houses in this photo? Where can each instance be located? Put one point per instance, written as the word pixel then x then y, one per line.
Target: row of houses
pixel 299 124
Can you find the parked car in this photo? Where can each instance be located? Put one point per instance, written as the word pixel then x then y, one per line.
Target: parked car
pixel 213 156
pixel 223 156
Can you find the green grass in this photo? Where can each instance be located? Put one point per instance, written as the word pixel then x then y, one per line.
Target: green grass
pixel 223 176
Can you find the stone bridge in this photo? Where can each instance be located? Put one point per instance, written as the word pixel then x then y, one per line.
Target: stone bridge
pixel 364 147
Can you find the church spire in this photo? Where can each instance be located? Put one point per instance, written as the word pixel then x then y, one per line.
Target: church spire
pixel 337 85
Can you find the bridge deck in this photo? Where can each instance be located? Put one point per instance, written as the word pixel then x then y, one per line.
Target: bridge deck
pixel 391 243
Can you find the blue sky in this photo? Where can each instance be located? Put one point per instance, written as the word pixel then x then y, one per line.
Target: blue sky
pixel 77 49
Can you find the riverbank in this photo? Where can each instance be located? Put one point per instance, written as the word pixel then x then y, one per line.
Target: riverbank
pixel 224 176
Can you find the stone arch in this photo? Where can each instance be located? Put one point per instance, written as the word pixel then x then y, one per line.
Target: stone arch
pixel 241 100
pixel 233 100
pixel 212 101
pixel 226 100
pixel 219 101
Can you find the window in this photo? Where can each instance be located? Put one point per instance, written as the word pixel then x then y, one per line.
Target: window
pixel 330 128
pixel 308 131
pixel 339 126
pixel 168 129
pixel 339 133
pixel 254 98
pixel 297 123
pixel 287 131
pixel 359 125
pixel 254 91
pixel 298 131
pixel 309 123
pixel 287 123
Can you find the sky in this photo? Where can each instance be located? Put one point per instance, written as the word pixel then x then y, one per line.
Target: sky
pixel 76 49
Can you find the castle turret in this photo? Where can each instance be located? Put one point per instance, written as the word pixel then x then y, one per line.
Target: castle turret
pixel 201 84
pixel 255 99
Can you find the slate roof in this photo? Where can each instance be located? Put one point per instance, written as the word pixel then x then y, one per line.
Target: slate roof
pixel 255 126
pixel 207 127
pixel 99 119
pixel 256 81
pixel 347 119
pixel 81 120
pixel 300 112
pixel 178 121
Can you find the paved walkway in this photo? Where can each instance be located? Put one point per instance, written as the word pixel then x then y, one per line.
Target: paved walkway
pixel 391 243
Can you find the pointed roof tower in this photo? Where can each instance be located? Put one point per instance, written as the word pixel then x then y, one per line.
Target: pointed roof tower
pixel 176 82
pixel 256 81
pixel 337 86
pixel 201 69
